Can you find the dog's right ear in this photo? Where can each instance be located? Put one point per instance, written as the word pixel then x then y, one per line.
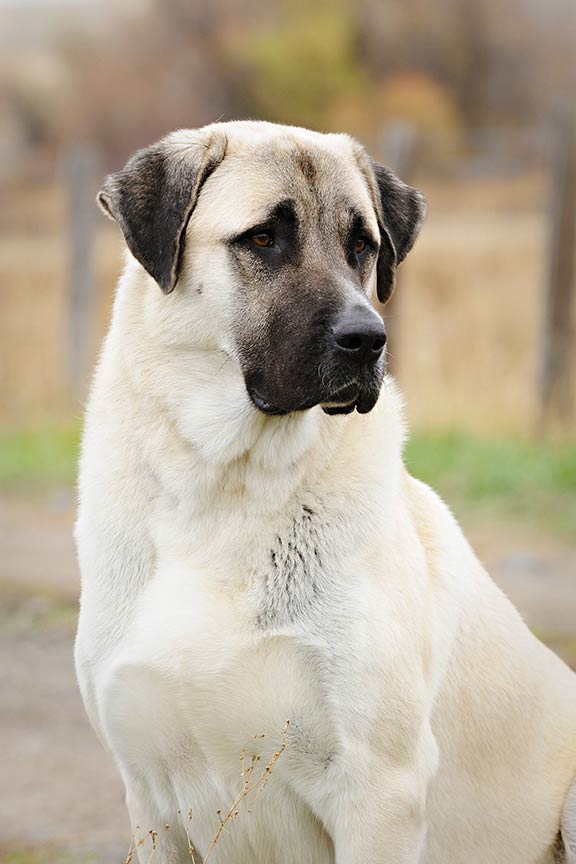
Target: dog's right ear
pixel 153 197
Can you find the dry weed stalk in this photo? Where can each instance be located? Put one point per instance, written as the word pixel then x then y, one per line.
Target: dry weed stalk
pixel 249 785
pixel 133 846
pixel 188 840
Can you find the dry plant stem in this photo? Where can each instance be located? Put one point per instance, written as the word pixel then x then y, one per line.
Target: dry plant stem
pixel 248 787
pixel 135 843
pixel 153 834
pixel 132 848
pixel 189 841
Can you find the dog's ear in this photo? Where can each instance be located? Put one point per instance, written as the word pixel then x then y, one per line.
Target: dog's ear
pixel 153 197
pixel 401 211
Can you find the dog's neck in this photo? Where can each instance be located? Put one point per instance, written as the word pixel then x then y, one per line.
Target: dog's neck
pixel 209 442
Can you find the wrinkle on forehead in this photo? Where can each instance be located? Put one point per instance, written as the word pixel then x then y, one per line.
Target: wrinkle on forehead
pixel 255 177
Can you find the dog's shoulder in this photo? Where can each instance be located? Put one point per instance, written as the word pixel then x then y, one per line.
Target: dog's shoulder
pixel 439 533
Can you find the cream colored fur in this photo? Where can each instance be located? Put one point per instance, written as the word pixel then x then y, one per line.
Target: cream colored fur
pixel 428 725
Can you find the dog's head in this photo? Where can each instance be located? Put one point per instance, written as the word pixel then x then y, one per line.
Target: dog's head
pixel 275 238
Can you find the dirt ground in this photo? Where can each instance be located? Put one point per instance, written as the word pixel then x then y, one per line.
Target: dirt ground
pixel 60 798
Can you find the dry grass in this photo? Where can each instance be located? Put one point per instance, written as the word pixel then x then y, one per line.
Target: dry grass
pixel 252 785
pixel 467 315
pixel 469 308
pixel 33 319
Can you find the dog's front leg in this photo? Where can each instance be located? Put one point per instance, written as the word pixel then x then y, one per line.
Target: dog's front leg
pixel 156 836
pixel 384 830
pixel 379 815
pixel 381 835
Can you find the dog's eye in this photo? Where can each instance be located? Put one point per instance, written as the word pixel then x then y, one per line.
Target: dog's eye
pixel 262 239
pixel 361 245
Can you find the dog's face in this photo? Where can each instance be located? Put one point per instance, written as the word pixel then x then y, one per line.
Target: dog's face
pixel 283 234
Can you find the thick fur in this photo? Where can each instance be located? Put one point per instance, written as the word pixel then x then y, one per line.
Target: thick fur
pixel 241 570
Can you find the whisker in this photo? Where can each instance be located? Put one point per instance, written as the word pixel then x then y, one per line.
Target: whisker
pixel 226 359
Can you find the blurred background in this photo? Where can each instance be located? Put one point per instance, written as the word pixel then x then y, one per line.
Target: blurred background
pixel 470 100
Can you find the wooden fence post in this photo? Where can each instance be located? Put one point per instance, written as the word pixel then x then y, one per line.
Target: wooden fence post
pixel 80 171
pixel 398 144
pixel 556 387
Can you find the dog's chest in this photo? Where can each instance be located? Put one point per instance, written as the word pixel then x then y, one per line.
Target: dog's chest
pixel 296 578
pixel 221 664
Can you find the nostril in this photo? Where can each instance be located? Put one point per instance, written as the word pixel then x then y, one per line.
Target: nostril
pixel 379 343
pixel 350 341
pixel 361 342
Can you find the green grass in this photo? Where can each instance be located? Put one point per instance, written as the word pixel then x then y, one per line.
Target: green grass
pixel 529 481
pixel 533 482
pixel 39 457
pixel 47 856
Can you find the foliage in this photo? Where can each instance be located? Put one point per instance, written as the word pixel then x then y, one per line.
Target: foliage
pixel 183 63
pixel 298 68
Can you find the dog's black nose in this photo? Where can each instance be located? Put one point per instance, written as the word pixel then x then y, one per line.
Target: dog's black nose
pixel 359 333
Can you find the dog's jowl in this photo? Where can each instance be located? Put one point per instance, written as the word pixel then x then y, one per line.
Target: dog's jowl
pixel 285 640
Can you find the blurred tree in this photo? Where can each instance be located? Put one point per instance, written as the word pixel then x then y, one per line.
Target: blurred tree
pixel 146 75
pixel 504 63
pixel 298 68
pixel 122 72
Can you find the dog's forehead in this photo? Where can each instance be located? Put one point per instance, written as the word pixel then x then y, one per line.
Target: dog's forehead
pixel 319 172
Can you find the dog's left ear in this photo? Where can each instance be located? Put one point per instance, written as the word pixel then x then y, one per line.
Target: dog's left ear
pixel 401 210
pixel 153 197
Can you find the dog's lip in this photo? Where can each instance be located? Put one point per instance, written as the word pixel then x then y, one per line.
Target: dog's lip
pixel 339 409
pixel 264 406
pixel 342 397
pixel 352 397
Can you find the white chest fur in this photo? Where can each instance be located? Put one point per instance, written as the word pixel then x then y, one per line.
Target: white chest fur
pixel 282 622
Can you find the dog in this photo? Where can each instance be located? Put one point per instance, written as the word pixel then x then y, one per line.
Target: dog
pixel 285 640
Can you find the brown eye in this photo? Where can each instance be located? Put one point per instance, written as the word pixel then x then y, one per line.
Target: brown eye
pixel 361 246
pixel 262 239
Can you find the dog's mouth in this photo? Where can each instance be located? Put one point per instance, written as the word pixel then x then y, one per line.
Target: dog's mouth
pixel 342 400
pixel 346 398
pixel 363 404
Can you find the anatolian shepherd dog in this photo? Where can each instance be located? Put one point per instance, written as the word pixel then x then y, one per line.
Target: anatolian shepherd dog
pixel 253 550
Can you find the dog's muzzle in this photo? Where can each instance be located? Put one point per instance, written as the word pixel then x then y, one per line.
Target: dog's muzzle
pixel 341 369
pixel 358 342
